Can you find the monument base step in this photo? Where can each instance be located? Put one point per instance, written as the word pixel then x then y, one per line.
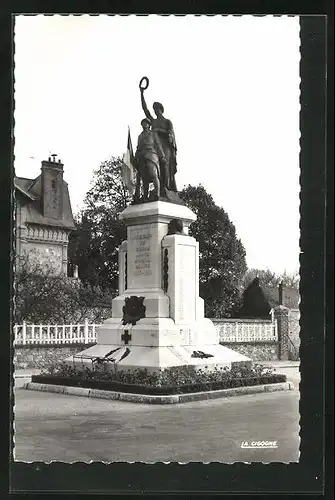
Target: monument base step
pixel 157 332
pixel 124 357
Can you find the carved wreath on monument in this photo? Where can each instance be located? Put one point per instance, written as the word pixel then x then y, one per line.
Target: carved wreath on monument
pixel 133 310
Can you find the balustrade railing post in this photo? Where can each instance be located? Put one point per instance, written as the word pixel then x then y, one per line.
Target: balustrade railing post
pixel 86 340
pixel 24 333
pixel 33 334
pixel 61 334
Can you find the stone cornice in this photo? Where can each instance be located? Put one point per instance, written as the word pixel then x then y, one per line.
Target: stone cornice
pixel 47 234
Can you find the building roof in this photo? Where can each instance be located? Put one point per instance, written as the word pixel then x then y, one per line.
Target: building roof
pixel 32 190
pixel 23 185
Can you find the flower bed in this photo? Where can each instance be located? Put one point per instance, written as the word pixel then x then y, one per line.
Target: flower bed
pixel 179 380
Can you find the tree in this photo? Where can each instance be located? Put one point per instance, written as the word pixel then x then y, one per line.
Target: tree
pixel 44 297
pixel 222 264
pixel 93 247
pixel 254 302
pixel 272 279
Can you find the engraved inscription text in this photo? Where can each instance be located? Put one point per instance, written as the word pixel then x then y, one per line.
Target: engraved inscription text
pixel 142 263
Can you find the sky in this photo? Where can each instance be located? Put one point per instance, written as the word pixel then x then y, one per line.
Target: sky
pixel 230 86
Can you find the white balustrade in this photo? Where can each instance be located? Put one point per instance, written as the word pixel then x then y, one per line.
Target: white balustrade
pixel 249 331
pixel 27 334
pixel 86 333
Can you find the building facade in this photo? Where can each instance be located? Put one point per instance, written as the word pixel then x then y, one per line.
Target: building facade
pixel 43 220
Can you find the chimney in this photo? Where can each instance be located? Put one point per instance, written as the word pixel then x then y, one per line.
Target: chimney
pixel 281 293
pixel 52 188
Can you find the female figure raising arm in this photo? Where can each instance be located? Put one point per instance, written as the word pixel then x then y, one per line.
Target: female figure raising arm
pixel 164 130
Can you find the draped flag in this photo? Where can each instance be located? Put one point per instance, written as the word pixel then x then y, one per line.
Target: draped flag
pixel 127 168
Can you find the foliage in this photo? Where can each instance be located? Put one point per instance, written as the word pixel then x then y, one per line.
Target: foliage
pixel 43 297
pixel 93 247
pixel 272 279
pixel 222 264
pixel 254 302
pixel 165 381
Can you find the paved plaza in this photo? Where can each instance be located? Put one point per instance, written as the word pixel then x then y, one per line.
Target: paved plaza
pixel 69 428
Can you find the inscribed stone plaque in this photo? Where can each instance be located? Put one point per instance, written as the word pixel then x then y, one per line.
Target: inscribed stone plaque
pixel 141 258
pixel 142 262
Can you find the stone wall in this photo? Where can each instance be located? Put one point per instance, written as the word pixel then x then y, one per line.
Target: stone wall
pixel 43 247
pixel 257 351
pixel 41 356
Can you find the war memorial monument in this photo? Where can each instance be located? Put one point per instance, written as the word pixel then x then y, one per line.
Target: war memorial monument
pixel 158 317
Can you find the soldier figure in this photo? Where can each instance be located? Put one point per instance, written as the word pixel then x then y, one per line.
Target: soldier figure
pixel 148 157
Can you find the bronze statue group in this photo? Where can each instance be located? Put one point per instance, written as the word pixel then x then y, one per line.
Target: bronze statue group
pixel 155 157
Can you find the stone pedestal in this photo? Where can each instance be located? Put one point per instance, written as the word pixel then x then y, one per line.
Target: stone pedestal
pixel 166 326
